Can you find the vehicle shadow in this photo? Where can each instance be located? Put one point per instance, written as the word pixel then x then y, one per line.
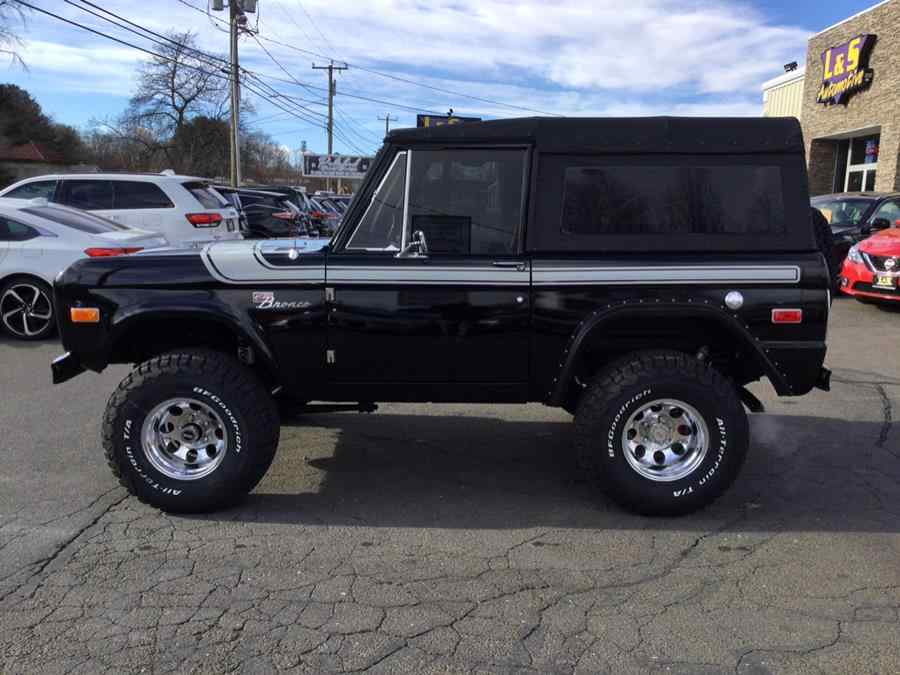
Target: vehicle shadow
pixel 395 470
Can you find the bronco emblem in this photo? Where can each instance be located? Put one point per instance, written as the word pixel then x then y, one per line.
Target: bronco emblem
pixel 266 300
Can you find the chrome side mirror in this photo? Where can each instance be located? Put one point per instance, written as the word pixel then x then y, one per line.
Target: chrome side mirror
pixel 417 247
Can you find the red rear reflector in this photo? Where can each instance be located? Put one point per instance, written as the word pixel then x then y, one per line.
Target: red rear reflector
pixel 84 315
pixel 110 252
pixel 317 214
pixel 787 316
pixel 204 219
pixel 283 215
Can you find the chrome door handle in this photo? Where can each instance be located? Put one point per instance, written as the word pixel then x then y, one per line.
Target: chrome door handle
pixel 510 264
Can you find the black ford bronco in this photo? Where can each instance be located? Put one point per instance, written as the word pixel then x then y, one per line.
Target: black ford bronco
pixel 636 272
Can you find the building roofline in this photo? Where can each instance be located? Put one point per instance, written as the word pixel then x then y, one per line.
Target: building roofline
pixel 849 18
pixel 784 78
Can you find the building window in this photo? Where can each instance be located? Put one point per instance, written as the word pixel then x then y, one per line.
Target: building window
pixel 862 164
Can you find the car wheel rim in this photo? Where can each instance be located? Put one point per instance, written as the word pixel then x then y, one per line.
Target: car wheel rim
pixel 665 440
pixel 184 439
pixel 26 310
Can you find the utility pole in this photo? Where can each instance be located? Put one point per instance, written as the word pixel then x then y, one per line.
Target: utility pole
pixel 331 92
pixel 237 20
pixel 387 119
pixel 236 16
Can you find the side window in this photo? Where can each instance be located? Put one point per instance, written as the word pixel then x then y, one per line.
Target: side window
pixel 468 202
pixel 381 227
pixel 671 199
pixel 34 190
pixel 10 230
pixel 88 194
pixel 889 211
pixel 139 195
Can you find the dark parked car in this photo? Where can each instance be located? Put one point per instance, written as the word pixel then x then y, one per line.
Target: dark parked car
pixel 266 214
pixel 853 216
pixel 635 272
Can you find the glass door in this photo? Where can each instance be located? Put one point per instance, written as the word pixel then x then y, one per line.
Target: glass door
pixel 862 165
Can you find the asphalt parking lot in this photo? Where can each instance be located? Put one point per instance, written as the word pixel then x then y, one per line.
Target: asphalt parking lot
pixel 458 539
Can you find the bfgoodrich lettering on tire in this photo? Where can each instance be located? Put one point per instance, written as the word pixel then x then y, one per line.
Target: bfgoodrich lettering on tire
pixel 190 431
pixel 662 433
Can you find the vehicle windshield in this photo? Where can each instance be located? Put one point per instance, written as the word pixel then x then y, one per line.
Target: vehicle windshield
pixel 843 212
pixel 77 220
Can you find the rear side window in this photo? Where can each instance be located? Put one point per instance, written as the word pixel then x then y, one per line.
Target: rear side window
pixel 648 199
pixel 88 194
pixel 208 197
pixel 667 202
pixel 10 230
pixel 83 222
pixel 140 195
pixel 38 189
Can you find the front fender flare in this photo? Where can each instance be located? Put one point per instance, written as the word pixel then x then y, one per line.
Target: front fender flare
pixel 597 319
pixel 125 320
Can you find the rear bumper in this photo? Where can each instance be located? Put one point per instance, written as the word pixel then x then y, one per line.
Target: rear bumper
pixel 65 367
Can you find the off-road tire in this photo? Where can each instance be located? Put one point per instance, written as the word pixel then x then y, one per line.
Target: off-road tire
pixel 642 377
pixel 246 409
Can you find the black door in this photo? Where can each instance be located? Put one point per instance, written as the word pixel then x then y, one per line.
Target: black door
pixel 455 311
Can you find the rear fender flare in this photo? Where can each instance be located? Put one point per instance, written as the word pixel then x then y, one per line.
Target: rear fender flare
pixel 599 318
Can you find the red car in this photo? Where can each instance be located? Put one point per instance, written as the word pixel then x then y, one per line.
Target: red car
pixel 871 272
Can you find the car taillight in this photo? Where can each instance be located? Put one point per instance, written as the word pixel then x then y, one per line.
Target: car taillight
pixel 283 215
pixel 204 219
pixel 110 252
pixel 787 316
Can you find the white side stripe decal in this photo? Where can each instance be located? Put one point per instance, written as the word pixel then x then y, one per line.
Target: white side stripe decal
pixel 698 274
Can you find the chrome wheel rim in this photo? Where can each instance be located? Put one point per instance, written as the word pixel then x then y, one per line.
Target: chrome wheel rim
pixel 665 440
pixel 184 439
pixel 25 310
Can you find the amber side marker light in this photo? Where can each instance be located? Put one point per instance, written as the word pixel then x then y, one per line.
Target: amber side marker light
pixel 787 316
pixel 84 315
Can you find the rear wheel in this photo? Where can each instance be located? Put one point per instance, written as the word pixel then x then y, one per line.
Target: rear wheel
pixel 662 433
pixel 190 431
pixel 26 308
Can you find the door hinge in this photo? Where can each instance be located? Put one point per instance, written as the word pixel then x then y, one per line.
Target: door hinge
pixel 329 295
pixel 329 356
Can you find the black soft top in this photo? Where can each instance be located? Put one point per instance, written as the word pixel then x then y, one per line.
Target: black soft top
pixel 705 135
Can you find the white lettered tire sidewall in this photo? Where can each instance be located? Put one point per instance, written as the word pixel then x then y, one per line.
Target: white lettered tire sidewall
pixel 156 486
pixel 603 422
pixel 229 389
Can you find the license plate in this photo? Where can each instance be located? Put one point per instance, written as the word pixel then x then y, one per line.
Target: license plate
pixel 884 281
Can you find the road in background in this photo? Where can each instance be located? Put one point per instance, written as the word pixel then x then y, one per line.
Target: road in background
pixel 456 539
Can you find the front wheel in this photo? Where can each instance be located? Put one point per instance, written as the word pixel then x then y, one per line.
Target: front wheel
pixel 663 433
pixel 190 431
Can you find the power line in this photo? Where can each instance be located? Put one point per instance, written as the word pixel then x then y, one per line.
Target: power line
pixel 397 78
pixel 163 57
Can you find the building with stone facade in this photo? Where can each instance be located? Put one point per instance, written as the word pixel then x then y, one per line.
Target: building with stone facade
pixel 849 102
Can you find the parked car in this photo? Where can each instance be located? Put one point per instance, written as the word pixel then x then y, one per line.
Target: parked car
pixel 853 216
pixel 37 241
pixel 325 217
pixel 266 214
pixel 871 272
pixel 184 209
pixel 640 289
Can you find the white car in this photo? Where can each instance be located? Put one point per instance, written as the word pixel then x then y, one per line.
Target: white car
pixel 184 209
pixel 39 240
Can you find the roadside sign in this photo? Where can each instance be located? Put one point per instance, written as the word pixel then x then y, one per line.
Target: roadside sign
pixel 335 166
pixel 442 120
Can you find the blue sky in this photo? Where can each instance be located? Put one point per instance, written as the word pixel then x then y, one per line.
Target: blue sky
pixel 575 57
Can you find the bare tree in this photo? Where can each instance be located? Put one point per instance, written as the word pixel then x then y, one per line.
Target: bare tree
pixel 12 16
pixel 178 85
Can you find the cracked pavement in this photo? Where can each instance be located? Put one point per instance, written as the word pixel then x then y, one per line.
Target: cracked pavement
pixel 459 539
